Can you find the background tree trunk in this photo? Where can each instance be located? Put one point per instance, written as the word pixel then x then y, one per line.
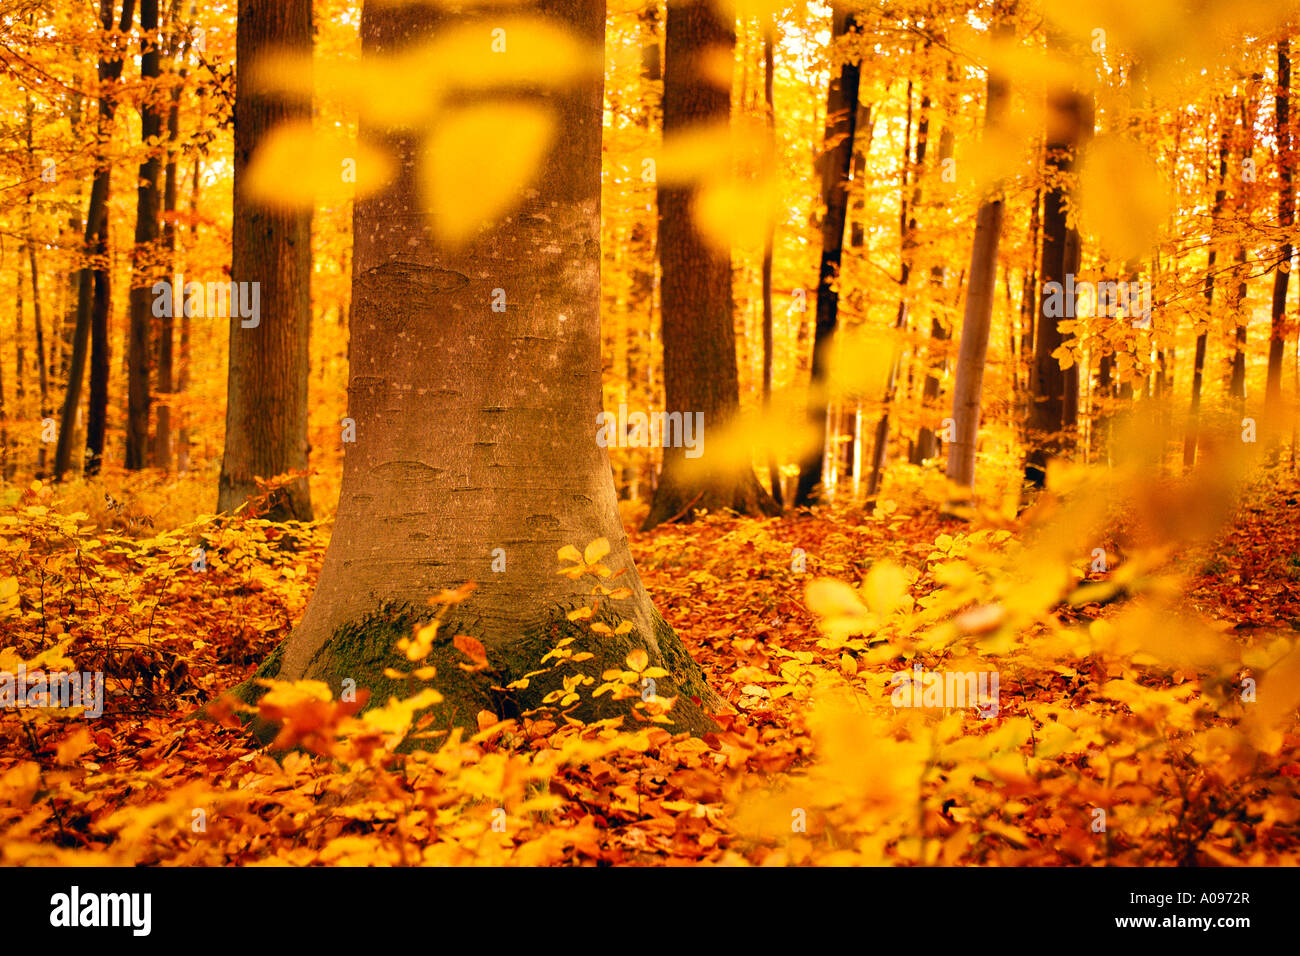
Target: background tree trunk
pixel 837 160
pixel 1054 391
pixel 266 398
pixel 699 335
pixel 907 231
pixel 183 371
pixel 93 283
pixel 769 66
pixel 1198 362
pixel 162 453
pixel 927 444
pixel 1235 379
pixel 1285 219
pixel 42 370
pixel 144 269
pixel 978 315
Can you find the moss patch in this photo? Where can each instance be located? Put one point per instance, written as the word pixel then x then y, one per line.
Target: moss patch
pixel 363 650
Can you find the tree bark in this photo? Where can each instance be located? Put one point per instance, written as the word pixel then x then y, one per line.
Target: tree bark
pixel 476 434
pixel 93 283
pixel 42 372
pixel 699 338
pixel 5 471
pixel 927 443
pixel 266 395
pixel 183 371
pixel 907 227
pixel 162 454
pixel 773 467
pixel 1198 363
pixel 1236 377
pixel 978 315
pixel 1053 390
pixel 837 162
pixel 1286 219
pixel 144 269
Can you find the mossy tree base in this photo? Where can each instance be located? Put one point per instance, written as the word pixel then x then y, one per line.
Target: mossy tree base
pixel 363 651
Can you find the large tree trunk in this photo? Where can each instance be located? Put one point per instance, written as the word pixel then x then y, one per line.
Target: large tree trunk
pixel 1054 391
pixel 699 337
pixel 978 315
pixel 837 160
pixel 1285 218
pixel 476 456
pixel 266 394
pixel 144 270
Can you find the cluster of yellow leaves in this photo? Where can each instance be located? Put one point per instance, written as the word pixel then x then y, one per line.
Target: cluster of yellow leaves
pixel 1129 712
pixel 475 159
pixel 1135 716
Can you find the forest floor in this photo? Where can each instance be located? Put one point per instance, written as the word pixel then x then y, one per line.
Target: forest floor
pixel 1145 713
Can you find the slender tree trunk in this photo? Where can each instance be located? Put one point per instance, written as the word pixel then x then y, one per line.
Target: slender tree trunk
pixel 1286 219
pixel 1198 363
pixel 61 348
pixel 183 372
pixel 43 381
pixel 162 454
pixel 927 443
pixel 837 161
pixel 700 375
pixel 475 435
pixel 266 395
pixel 1029 298
pixel 144 270
pixel 42 374
pixel 978 316
pixel 5 464
pixel 769 66
pixel 76 235
pixel 907 228
pixel 1236 378
pixel 20 333
pixel 1054 391
pixel 93 283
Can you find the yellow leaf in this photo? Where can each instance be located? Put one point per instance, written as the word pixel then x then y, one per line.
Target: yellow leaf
pixel 76 745
pixel 729 212
pixel 828 597
pixel 595 551
pixel 478 161
pixel 505 52
pixel 638 660
pixel 886 588
pixel 1122 198
pixel 9 595
pixel 1279 691
pixel 295 167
